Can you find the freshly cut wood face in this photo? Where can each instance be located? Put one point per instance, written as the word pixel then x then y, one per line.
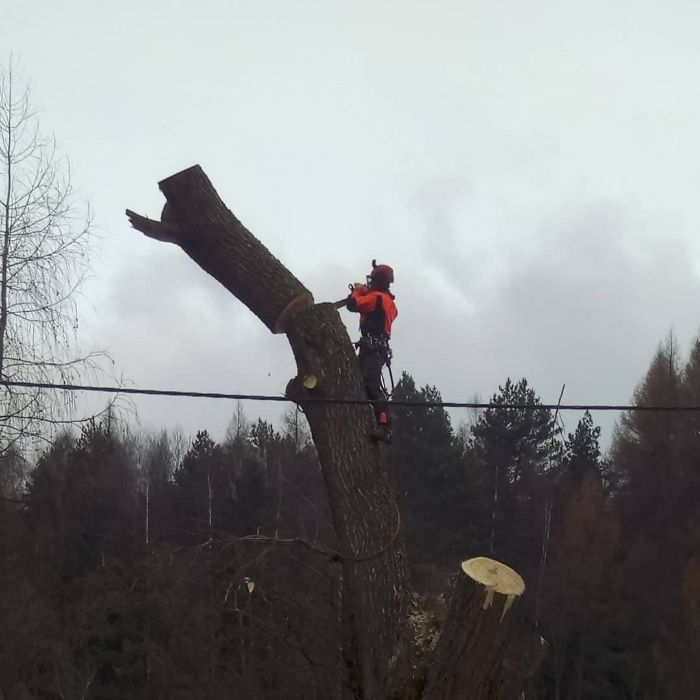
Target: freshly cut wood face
pixel 494 575
pixel 301 303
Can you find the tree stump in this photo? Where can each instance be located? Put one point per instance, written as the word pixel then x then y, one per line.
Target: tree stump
pixel 469 654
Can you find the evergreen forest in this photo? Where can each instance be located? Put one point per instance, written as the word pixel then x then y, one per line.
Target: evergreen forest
pixel 155 566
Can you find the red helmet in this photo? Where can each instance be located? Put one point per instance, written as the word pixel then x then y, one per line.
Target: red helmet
pixel 381 274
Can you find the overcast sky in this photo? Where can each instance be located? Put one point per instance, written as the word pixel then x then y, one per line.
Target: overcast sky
pixel 530 169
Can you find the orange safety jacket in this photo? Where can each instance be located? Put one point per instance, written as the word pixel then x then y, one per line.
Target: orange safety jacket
pixel 377 311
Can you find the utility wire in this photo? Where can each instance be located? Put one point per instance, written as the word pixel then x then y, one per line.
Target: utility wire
pixel 349 402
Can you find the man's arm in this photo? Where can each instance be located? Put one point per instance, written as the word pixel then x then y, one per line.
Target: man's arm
pixel 361 300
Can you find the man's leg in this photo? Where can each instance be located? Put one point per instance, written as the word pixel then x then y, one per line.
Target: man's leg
pixel 371 364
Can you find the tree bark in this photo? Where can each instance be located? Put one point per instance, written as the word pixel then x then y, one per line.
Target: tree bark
pixel 364 512
pixel 382 654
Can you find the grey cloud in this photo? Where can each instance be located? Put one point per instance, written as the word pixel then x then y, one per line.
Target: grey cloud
pixel 584 301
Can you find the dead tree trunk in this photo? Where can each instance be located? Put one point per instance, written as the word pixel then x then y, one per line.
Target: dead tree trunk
pixel 376 586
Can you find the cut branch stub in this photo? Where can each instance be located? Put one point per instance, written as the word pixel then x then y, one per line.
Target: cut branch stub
pixel 160 230
pixel 470 651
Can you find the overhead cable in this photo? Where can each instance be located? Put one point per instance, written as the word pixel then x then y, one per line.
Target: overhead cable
pixel 345 401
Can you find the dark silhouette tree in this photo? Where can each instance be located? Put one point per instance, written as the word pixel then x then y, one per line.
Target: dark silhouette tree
pixel 517 447
pixel 582 455
pixel 657 497
pixel 584 608
pixel 439 506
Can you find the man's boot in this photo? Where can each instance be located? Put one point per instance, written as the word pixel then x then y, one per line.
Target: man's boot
pixel 382 433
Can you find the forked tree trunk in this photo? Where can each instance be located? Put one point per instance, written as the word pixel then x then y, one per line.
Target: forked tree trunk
pixel 365 515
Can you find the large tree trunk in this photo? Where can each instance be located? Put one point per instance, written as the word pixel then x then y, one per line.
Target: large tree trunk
pixel 376 586
pixel 364 513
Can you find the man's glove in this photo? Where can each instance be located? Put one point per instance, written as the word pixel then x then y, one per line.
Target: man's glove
pixel 359 287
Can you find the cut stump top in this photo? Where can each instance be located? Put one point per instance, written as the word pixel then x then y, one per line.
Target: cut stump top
pixel 494 575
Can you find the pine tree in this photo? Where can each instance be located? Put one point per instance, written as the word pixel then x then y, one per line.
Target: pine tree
pixel 434 495
pixel 194 482
pixel 81 504
pixel 582 454
pixel 518 448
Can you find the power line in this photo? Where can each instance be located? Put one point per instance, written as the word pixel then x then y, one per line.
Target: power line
pixel 342 401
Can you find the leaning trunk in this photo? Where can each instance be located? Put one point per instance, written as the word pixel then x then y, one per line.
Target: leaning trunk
pixel 382 656
pixel 364 512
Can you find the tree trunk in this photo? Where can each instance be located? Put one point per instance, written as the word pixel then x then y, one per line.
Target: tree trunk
pixel 376 588
pixel 365 515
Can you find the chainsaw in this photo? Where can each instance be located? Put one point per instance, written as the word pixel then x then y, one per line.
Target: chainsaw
pixel 352 287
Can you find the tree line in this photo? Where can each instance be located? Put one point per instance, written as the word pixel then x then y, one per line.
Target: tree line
pixel 151 567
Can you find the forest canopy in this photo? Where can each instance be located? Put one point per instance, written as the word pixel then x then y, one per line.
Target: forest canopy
pixel 146 566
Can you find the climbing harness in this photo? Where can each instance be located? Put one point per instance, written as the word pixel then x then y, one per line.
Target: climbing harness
pixel 380 344
pixel 374 343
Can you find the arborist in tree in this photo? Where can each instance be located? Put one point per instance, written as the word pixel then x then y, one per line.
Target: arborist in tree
pixel 375 304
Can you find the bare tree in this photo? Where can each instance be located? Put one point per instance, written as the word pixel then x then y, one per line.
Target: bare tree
pixel 44 238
